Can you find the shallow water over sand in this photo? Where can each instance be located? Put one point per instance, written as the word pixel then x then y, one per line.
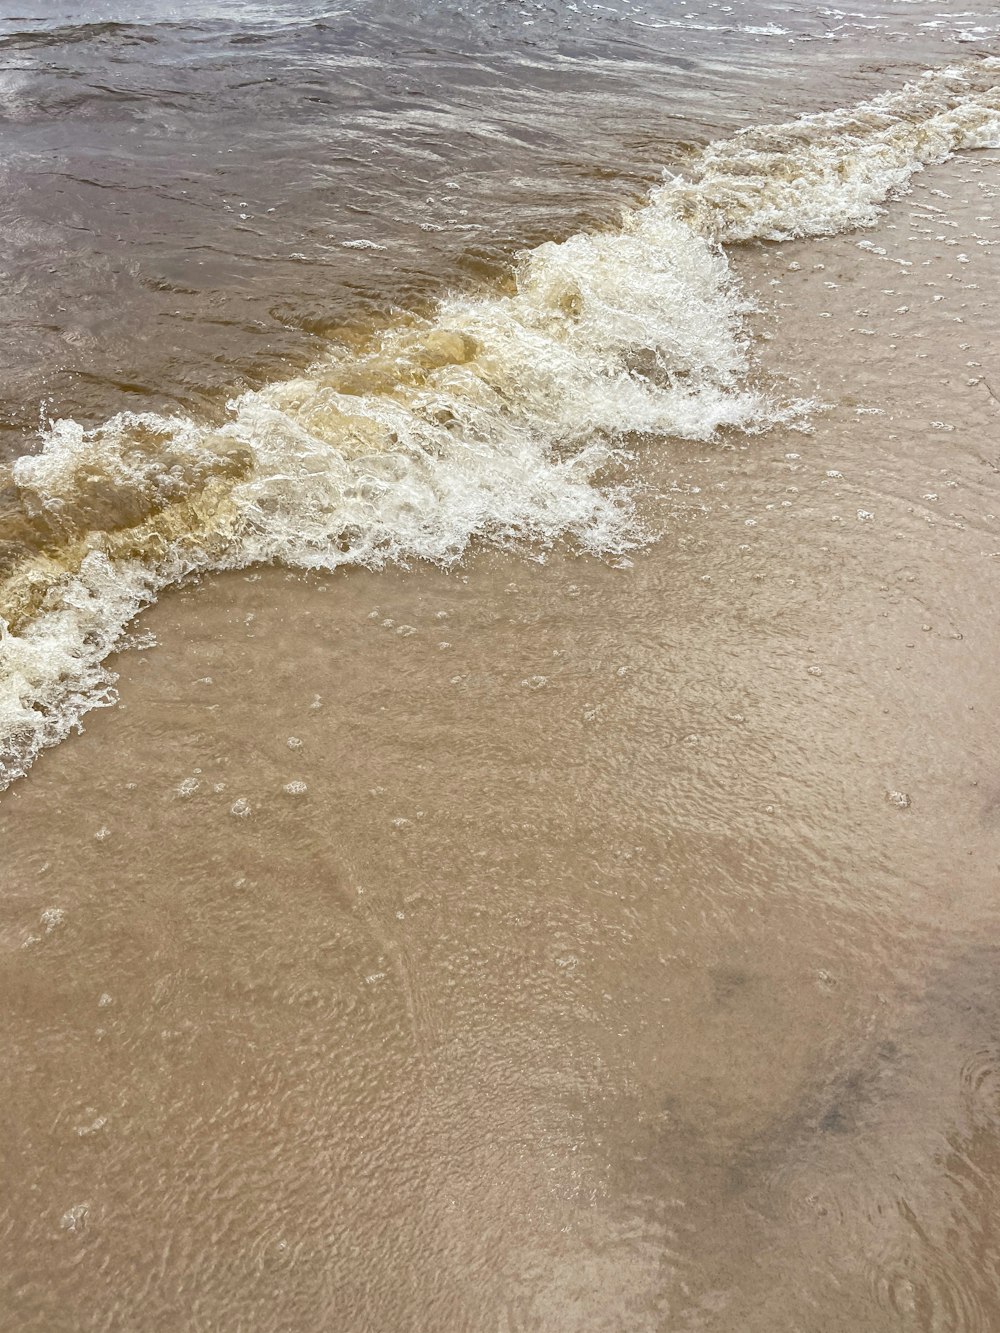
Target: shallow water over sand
pixel 563 944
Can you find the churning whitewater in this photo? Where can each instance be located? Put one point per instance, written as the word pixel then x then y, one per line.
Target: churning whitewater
pixel 494 420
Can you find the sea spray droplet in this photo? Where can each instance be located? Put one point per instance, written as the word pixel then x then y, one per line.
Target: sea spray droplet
pixel 295 788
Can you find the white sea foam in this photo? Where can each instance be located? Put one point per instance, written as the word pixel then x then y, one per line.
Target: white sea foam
pixel 494 420
pixel 834 171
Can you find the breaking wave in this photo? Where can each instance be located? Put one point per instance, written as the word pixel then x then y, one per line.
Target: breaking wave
pixel 494 420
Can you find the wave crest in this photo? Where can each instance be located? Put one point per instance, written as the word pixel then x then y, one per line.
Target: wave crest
pixel 494 420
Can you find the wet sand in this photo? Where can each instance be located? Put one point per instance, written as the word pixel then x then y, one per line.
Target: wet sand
pixel 628 960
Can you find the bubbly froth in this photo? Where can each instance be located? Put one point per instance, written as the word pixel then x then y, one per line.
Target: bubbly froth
pixel 494 420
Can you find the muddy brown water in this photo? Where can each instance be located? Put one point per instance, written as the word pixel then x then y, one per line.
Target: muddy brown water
pixel 556 944
pixel 199 197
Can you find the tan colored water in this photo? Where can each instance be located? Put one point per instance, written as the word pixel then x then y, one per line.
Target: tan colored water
pixel 629 960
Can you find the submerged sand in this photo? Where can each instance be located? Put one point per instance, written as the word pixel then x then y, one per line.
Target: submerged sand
pixel 555 944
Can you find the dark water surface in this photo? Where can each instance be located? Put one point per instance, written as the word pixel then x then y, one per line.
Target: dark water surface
pixel 184 194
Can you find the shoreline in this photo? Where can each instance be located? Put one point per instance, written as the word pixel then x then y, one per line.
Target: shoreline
pixel 492 421
pixel 628 953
